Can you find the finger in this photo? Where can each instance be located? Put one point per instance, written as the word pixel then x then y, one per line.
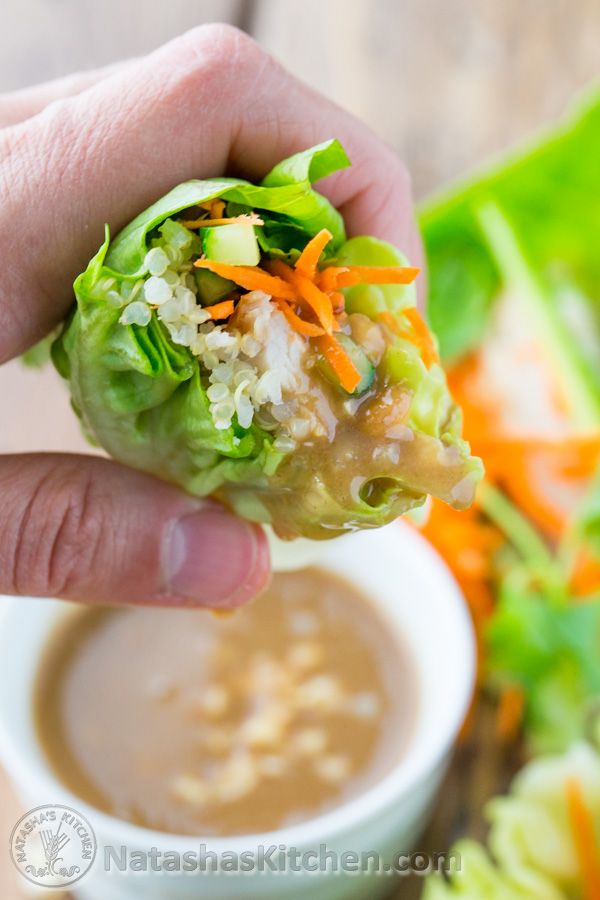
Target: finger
pixel 17 106
pixel 206 102
pixel 90 530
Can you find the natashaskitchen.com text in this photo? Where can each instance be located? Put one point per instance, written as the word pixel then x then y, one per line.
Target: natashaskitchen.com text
pixel 279 859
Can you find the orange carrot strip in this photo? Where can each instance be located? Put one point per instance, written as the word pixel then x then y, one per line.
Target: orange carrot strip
pixel 585 839
pixel 234 220
pixel 586 575
pixel 318 301
pixel 339 361
pixel 298 324
pixel 384 274
pixel 214 207
pixel 346 276
pixel 338 301
pixel 217 208
pixel 428 349
pixel 510 712
pixel 250 277
pixel 393 324
pixel 327 278
pixel 308 259
pixel 221 310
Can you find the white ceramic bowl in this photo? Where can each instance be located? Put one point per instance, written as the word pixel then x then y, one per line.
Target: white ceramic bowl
pixel 418 596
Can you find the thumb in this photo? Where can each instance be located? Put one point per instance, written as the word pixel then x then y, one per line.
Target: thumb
pixel 90 530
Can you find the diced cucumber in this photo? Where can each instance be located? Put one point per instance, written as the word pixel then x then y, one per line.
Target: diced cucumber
pixel 211 287
pixel 234 244
pixel 360 360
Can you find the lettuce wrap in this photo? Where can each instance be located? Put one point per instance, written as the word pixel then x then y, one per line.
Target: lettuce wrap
pixel 232 340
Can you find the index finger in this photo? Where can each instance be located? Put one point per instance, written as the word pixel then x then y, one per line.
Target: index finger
pixel 208 102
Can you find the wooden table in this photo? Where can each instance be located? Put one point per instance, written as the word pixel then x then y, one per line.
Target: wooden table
pixel 446 84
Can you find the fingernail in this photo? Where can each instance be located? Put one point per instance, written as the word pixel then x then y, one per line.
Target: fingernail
pixel 214 559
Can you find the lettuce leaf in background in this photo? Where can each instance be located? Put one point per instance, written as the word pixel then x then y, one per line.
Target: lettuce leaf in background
pixel 539 637
pixel 532 851
pixel 552 653
pixel 530 225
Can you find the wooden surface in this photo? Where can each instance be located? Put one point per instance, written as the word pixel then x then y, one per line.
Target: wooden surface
pixel 447 84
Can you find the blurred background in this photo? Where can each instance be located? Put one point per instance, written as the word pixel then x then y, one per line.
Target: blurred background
pixel 448 85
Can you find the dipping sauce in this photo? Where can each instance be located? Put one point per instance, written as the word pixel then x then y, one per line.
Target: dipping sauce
pixel 189 723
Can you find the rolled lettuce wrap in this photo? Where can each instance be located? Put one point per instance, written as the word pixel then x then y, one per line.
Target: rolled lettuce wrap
pixel 231 340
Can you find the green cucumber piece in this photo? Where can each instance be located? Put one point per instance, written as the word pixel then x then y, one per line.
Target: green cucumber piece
pixel 235 245
pixel 360 360
pixel 211 287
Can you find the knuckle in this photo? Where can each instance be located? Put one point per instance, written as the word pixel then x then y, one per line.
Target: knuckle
pixel 60 534
pixel 221 41
pixel 218 59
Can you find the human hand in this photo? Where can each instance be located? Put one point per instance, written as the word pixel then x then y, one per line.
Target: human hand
pixel 98 148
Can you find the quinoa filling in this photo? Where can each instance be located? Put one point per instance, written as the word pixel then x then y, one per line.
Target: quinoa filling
pixel 258 368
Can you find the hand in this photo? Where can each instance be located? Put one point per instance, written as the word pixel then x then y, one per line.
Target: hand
pixel 98 148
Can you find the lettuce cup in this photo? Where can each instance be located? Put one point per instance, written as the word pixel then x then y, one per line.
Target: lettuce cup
pixel 232 340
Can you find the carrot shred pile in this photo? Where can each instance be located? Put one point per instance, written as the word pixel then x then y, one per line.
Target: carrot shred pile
pixel 310 298
pixel 584 836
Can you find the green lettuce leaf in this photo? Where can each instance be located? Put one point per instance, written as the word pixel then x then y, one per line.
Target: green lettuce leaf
pixel 538 636
pixel 529 226
pixel 552 652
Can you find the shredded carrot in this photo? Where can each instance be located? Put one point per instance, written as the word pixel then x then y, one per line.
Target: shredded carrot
pixel 418 334
pixel 250 277
pixel 339 361
pixel 327 279
pixel 427 345
pixel 214 207
pixel 389 319
pixel 338 301
pixel 586 843
pixel 586 574
pixel 217 208
pixel 308 259
pixel 234 220
pixel 318 300
pixel 221 310
pixel 347 276
pixel 298 324
pixel 383 274
pixel 510 712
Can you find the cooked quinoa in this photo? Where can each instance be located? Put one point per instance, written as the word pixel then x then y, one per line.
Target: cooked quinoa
pixel 255 364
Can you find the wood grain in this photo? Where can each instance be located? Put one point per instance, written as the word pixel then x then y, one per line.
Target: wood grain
pixel 447 84
pixel 42 39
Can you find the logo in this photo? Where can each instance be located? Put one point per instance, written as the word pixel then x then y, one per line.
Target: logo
pixel 53 846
